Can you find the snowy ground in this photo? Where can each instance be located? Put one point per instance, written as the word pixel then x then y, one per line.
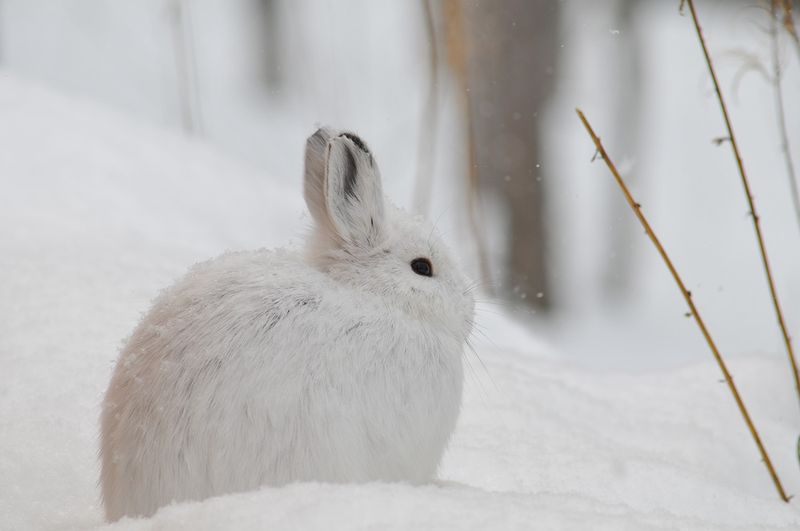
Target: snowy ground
pixel 98 213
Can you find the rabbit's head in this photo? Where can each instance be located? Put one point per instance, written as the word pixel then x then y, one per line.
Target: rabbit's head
pixel 368 244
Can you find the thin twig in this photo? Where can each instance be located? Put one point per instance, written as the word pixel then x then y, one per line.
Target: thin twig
pixel 782 130
pixel 788 25
pixel 186 68
pixel 637 210
pixel 754 214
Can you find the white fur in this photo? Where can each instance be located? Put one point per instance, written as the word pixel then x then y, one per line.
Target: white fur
pixel 267 367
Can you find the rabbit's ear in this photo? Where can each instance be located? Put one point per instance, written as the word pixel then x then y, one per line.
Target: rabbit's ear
pixel 315 169
pixel 343 188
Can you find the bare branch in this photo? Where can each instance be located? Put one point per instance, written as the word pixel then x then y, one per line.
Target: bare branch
pixel 751 203
pixel 687 295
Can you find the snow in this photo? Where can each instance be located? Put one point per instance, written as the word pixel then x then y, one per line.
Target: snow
pixel 99 212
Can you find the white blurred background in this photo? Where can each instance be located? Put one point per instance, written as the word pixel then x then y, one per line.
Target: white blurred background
pixel 253 78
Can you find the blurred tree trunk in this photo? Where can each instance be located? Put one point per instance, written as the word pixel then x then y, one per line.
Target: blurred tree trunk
pixel 269 45
pixel 626 70
pixel 511 55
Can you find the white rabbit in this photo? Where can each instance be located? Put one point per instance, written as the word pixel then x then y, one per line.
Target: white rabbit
pixel 342 364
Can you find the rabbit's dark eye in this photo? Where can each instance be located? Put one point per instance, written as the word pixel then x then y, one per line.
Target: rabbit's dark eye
pixel 422 266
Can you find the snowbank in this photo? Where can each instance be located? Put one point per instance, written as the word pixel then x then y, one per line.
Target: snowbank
pixel 98 213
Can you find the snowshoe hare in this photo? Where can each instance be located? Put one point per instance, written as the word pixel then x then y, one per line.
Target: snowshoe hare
pixel 341 363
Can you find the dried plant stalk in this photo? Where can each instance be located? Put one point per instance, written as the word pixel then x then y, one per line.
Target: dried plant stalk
pixel 457 55
pixel 637 210
pixel 754 214
pixel 428 123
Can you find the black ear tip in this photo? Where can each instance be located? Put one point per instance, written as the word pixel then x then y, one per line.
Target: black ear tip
pixel 323 136
pixel 355 139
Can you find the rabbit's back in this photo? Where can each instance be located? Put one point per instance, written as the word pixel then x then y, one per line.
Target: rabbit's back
pixel 257 368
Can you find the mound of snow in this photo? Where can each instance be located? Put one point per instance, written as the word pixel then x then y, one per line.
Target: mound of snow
pixel 98 213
